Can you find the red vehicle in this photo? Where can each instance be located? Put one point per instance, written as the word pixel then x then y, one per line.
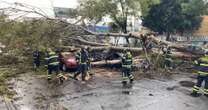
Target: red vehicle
pixel 68 61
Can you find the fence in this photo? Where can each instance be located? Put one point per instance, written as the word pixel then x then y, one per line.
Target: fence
pixel 186 38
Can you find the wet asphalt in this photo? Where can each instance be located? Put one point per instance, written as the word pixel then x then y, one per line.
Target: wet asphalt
pixel 104 91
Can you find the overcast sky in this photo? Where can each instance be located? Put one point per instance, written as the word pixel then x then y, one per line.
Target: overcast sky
pixel 45 5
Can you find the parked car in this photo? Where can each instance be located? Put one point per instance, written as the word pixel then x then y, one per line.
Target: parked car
pixel 68 61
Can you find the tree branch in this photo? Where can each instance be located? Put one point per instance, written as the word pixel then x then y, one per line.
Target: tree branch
pixel 136 35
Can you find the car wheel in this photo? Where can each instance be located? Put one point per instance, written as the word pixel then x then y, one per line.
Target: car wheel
pixel 64 68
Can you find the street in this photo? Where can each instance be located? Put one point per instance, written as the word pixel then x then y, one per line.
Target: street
pixel 105 92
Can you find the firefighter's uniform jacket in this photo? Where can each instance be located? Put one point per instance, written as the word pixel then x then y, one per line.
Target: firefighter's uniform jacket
pixel 52 63
pixel 201 68
pixel 82 59
pixel 127 62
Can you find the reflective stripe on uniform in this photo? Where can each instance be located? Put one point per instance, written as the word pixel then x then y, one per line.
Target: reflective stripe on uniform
pixel 202 73
pixel 206 91
pixel 49 76
pixel 55 56
pixel 203 64
pixel 195 89
pixel 54 63
pixel 53 59
pixel 128 60
pixel 127 66
pixel 125 78
pixel 131 77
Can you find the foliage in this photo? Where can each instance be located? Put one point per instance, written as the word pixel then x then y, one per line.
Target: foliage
pixel 22 37
pixel 146 6
pixel 174 16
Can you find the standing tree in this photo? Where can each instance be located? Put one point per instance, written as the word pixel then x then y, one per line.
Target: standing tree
pixel 176 16
pixel 146 5
pixel 117 10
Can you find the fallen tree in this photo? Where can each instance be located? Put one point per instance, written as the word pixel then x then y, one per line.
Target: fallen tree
pixel 81 31
pixel 150 36
pixel 103 48
pixel 84 42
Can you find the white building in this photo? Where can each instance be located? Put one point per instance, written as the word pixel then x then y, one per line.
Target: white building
pixel 134 24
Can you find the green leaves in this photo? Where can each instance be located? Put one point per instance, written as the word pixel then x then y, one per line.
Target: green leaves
pixel 145 5
pixel 176 16
pixel 25 36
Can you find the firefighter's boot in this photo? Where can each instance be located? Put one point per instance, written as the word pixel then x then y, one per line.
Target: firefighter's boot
pixel 195 94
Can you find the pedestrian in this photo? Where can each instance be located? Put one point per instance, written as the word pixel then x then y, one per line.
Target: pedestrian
pixel 201 67
pixel 36 59
pixel 127 63
pixel 52 60
pixel 82 59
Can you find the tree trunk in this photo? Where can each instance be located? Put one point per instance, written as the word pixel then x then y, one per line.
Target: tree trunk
pixel 168 38
pixel 124 28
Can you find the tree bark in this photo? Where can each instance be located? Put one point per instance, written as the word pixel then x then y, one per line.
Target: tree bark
pixel 168 37
pixel 136 51
pixel 81 41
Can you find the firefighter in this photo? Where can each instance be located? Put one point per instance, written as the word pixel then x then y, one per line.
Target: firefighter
pixel 78 58
pixel 82 59
pixel 36 59
pixel 167 56
pixel 201 67
pixel 127 62
pixel 52 63
pixel 89 63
